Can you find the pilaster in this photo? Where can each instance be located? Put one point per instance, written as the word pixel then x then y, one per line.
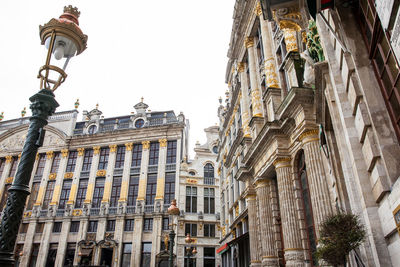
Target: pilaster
pixel 155 238
pixel 162 159
pixel 109 174
pixel 126 173
pixel 60 177
pixel 81 236
pixel 118 237
pixel 143 171
pixel 4 176
pixel 92 175
pixel 27 250
pixel 44 244
pixel 244 101
pixel 62 243
pixel 253 233
pixel 290 226
pixel 137 241
pixel 75 181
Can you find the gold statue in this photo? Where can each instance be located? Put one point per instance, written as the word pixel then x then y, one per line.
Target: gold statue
pixel 166 239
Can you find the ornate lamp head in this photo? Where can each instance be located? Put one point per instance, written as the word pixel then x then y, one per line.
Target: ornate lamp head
pixel 64 39
pixel 173 209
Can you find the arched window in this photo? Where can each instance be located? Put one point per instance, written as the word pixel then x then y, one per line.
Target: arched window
pixel 308 215
pixel 208 174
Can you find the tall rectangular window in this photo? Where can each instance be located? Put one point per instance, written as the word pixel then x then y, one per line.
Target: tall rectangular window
pixel 171 152
pixel 39 228
pixel 165 223
pixel 103 160
pixel 209 256
pixel 146 254
pixel 191 228
pixel 34 255
pixel 51 255
pixel 92 227
pixel 126 254
pixel 191 199
pixel 129 225
pixel 74 227
pixel 56 162
pixel 71 163
pixel 81 194
pixel 66 189
pixel 57 226
pixel 49 194
pixel 70 254
pixel 40 165
pixel 209 200
pixel 169 189
pixel 98 192
pixel 115 191
pixel 120 157
pixel 209 230
pixel 133 190
pixel 110 226
pixel 33 196
pixel 148 224
pixel 153 154
pixel 136 155
pixel 87 160
pixel 151 188
pixel 14 164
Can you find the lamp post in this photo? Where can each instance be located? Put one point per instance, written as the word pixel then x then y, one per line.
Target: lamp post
pixel 172 211
pixel 189 250
pixel 64 39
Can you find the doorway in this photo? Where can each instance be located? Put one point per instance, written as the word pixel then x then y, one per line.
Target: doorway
pixel 106 257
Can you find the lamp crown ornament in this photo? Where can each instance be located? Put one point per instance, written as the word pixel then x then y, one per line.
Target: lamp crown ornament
pixel 23 112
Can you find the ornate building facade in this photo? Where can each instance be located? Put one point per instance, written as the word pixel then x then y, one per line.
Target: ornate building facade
pixel 100 188
pixel 310 128
pixel 199 202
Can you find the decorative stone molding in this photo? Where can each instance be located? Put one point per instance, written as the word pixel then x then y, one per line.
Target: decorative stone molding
pixel 77 212
pixel 129 146
pixel 113 148
pixel 271 78
pixel 258 10
pixel 68 175
pixel 146 144
pixel 163 142
pixel 262 183
pixel 37 156
pixel 52 176
pixel 81 151
pixel 50 154
pixel 8 159
pixel 100 173
pixel 241 66
pixel 96 150
pixel 19 156
pixel 309 136
pixel 237 210
pixel 282 162
pixel 27 214
pixel 9 180
pixel 64 153
pixel 249 42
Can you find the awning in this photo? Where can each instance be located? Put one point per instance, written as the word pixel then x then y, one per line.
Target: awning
pixel 222 248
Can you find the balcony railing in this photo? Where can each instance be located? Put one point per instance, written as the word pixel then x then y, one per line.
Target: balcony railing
pixel 135 170
pixel 112 210
pixel 60 212
pixel 170 167
pixel 148 208
pixel 209 180
pixel 94 211
pixel 152 168
pixel 84 174
pixel 130 209
pixel 43 213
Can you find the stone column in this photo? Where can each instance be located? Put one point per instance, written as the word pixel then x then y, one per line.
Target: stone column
pixel 45 176
pixel 290 225
pixel 44 244
pixel 59 179
pixel 109 174
pixel 162 159
pixel 271 78
pixel 254 81
pixel 92 176
pixel 143 173
pixel 123 198
pixel 75 181
pixel 269 253
pixel 62 243
pixel 318 186
pixel 83 226
pixel 155 238
pixel 101 230
pixel 253 233
pixel 244 100
pixel 118 237
pixel 27 250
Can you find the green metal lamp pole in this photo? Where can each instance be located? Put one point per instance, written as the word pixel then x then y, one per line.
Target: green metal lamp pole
pixel 43 105
pixel 64 39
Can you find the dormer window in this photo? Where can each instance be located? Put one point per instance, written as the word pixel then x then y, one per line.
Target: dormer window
pixel 139 123
pixel 92 129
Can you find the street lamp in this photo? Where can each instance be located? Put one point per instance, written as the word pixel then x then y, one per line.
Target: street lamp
pixel 64 39
pixel 172 211
pixel 189 250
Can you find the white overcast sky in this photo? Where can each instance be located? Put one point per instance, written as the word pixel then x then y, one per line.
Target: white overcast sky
pixel 171 52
